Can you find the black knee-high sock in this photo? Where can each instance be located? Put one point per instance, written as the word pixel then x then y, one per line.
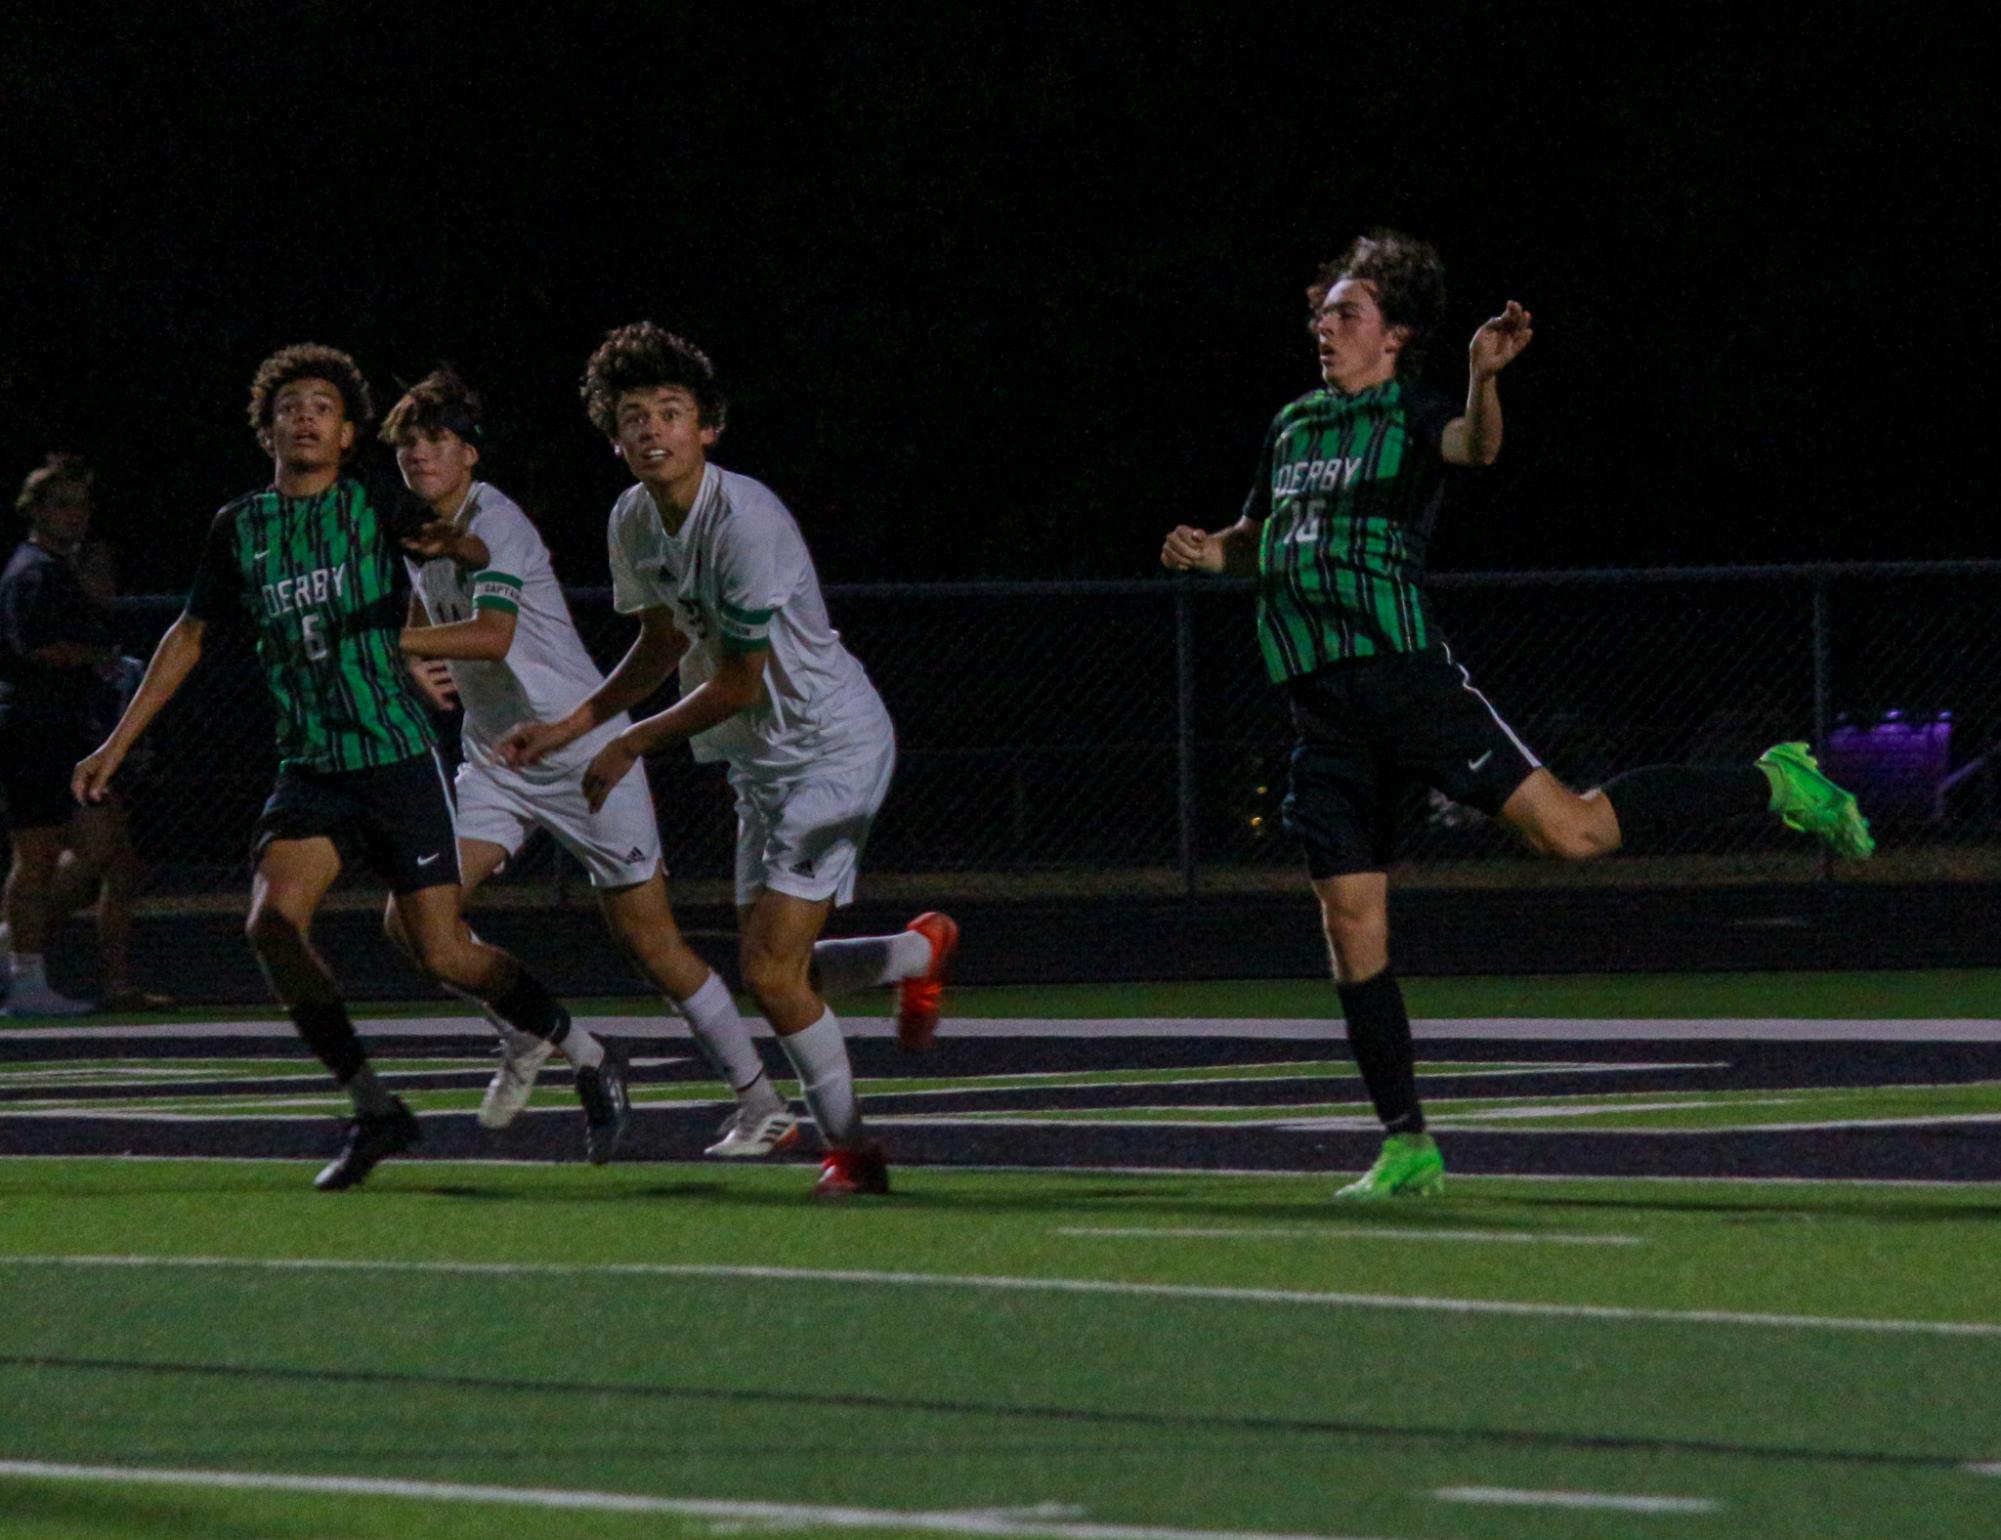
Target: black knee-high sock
pixel 1653 800
pixel 527 1007
pixel 325 1028
pixel 1379 1034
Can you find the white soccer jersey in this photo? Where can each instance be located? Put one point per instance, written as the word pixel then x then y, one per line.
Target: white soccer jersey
pixel 737 577
pixel 546 670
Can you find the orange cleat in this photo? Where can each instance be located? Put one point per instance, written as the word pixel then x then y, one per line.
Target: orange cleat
pixel 850 1173
pixel 920 998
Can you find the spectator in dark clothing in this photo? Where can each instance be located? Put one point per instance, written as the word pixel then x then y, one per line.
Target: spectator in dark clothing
pixel 59 672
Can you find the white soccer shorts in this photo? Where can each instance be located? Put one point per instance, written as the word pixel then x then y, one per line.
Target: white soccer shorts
pixel 804 836
pixel 619 844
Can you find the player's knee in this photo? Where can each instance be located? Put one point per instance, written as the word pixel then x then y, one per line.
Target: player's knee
pixel 1357 951
pixel 270 929
pixel 445 957
pixel 1571 839
pixel 769 977
pixel 1354 921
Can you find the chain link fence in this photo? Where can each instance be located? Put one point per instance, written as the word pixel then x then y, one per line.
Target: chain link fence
pixel 1062 739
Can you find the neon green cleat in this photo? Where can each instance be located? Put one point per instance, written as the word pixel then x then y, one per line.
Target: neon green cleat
pixel 1808 801
pixel 1409 1167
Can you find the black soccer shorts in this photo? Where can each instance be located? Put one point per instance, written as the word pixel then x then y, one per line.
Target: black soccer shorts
pixel 1372 728
pixel 396 820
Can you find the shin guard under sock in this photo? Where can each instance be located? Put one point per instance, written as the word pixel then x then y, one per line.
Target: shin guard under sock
pixel 324 1027
pixel 1379 1035
pixel 1656 799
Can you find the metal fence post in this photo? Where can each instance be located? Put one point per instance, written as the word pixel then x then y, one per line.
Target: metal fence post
pixel 1184 729
pixel 1823 691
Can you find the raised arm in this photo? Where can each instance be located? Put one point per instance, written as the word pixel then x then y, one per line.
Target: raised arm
pixel 1188 549
pixel 642 670
pixel 1475 438
pixel 179 651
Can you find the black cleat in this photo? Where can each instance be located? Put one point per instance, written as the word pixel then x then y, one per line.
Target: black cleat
pixel 370 1137
pixel 607 1107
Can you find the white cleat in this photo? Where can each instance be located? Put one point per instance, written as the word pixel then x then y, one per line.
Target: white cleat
pixel 37 999
pixel 748 1135
pixel 521 1060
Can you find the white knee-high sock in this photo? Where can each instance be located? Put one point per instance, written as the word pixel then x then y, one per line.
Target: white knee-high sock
pixel 819 1055
pixel 862 962
pixel 724 1039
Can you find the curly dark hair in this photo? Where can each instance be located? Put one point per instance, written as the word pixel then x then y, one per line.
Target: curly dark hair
pixel 1408 280
pixel 309 361
pixel 644 356
pixel 58 470
pixel 441 399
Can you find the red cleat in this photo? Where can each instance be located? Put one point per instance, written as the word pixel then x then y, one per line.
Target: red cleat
pixel 917 1007
pixel 852 1173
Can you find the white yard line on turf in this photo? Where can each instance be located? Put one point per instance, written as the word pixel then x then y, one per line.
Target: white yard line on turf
pixel 727 1516
pixel 1504 1028
pixel 1601 1501
pixel 1346 1232
pixel 1534 1108
pixel 1002 1283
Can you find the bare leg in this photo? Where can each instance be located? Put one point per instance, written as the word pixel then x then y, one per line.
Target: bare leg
pixel 1556 821
pixel 29 881
pixel 478 860
pixel 102 863
pixel 643 920
pixel 1354 911
pixel 776 951
pixel 777 955
pixel 433 923
pixel 292 878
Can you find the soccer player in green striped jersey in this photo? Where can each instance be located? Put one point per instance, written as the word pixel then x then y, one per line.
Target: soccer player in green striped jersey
pixel 1336 524
pixel 311 562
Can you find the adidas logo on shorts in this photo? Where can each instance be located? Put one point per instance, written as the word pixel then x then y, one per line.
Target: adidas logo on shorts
pixel 803 868
pixel 635 854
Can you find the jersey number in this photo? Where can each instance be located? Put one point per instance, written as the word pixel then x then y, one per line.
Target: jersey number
pixel 313 638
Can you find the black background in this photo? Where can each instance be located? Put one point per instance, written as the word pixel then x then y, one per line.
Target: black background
pixel 1006 291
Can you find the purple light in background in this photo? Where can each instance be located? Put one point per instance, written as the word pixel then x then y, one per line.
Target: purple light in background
pixel 1898 758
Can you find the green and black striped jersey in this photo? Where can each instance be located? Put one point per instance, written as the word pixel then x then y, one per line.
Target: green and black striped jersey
pixel 1347 490
pixel 322 582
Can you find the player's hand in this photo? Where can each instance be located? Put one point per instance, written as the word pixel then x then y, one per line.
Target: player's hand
pixel 523 745
pixel 90 782
pixel 606 771
pixel 1188 549
pixel 433 679
pixel 1499 341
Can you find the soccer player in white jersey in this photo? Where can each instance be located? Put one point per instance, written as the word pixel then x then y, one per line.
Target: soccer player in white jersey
pixel 719 576
pixel 491 623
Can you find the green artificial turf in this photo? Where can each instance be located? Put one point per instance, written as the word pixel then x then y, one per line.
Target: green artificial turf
pixel 1357 1368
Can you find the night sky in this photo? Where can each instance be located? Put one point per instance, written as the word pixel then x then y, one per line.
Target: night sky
pixel 1008 290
